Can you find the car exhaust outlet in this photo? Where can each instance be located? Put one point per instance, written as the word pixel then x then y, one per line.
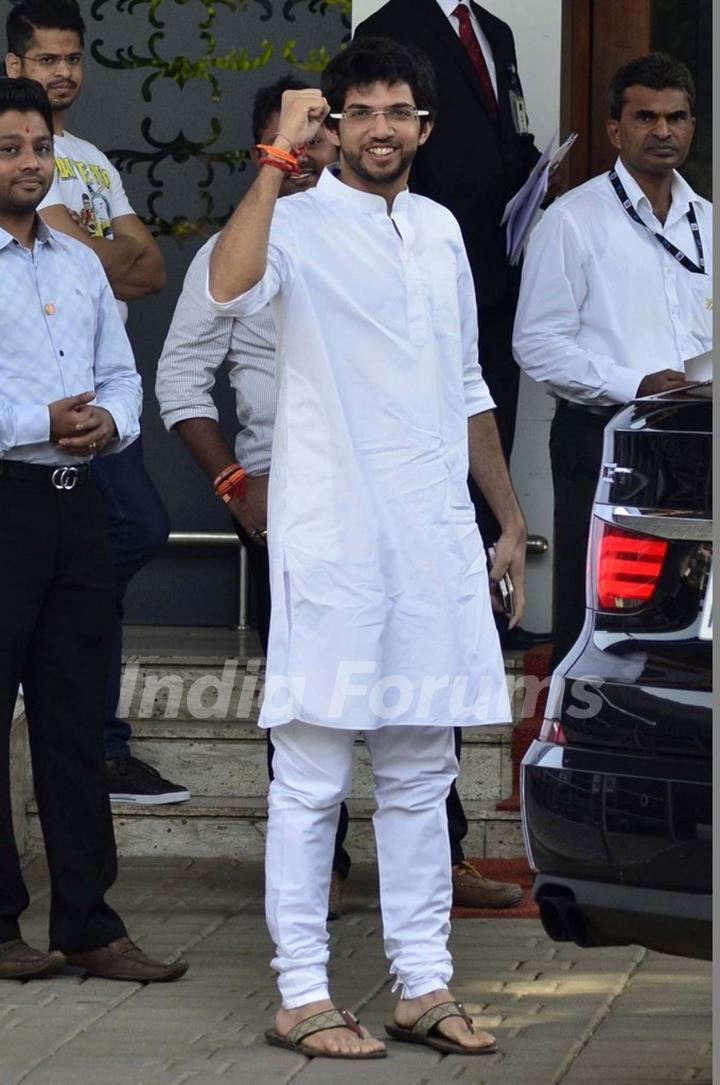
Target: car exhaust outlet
pixel 578 927
pixel 554 917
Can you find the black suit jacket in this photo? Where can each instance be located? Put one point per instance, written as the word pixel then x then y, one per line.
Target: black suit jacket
pixel 471 163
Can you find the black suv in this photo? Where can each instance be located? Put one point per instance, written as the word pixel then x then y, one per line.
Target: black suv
pixel 617 800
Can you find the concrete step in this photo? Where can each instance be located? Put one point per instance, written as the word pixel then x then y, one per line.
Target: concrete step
pixel 234 828
pixel 195 720
pixel 213 688
pixel 229 758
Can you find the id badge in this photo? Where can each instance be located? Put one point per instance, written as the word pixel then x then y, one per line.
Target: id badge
pixel 519 115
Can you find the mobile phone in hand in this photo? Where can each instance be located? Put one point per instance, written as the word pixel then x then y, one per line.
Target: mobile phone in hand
pixel 505 588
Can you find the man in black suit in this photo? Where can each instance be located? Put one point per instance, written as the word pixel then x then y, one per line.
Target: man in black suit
pixel 479 155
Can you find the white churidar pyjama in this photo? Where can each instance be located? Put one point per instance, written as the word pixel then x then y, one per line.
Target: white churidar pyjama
pixel 413 768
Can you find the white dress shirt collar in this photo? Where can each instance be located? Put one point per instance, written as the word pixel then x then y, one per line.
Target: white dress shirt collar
pixel 449 6
pixel 43 233
pixel 682 194
pixel 331 187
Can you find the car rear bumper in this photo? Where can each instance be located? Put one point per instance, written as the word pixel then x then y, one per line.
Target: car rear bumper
pixel 598 914
pixel 625 841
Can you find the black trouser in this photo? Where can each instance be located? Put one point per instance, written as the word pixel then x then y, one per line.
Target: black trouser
pixel 260 574
pixel 576 444
pixel 57 615
pixel 502 375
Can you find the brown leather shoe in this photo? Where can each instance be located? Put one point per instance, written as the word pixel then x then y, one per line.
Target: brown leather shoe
pixel 18 961
pixel 123 960
pixel 335 899
pixel 472 890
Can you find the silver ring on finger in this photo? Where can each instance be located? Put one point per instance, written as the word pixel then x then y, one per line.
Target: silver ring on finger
pixel 92 446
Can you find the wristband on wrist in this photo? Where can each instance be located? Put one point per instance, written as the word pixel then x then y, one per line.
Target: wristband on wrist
pixel 230 483
pixel 235 489
pixel 277 154
pixel 226 472
pixel 284 166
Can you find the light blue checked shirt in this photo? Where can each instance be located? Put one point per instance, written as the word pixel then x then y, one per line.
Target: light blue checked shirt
pixel 60 334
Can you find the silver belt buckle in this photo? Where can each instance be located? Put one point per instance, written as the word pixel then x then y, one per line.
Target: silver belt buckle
pixel 65 478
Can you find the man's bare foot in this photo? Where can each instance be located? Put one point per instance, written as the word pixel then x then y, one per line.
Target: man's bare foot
pixel 333 1040
pixel 410 1010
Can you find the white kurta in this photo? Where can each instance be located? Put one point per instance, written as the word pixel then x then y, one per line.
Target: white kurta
pixel 381 612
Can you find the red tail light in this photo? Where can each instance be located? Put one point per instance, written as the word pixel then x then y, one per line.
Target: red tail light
pixel 552 731
pixel 628 568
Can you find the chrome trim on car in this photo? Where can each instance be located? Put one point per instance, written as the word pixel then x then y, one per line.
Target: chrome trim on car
pixel 667 524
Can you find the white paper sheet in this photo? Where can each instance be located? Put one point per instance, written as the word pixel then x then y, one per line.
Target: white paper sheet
pixel 520 211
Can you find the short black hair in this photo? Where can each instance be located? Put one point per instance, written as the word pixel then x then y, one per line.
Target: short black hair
pixel 655 70
pixel 268 100
pixel 380 60
pixel 26 96
pixel 30 15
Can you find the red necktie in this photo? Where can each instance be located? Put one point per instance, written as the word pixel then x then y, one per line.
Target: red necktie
pixel 472 47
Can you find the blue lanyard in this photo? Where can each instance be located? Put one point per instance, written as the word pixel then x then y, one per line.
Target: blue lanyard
pixel 674 251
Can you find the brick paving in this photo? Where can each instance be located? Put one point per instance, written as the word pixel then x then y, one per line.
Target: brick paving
pixel 563 1016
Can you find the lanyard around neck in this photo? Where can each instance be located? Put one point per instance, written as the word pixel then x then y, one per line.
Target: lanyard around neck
pixel 674 251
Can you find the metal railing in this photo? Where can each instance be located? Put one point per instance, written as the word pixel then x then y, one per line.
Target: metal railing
pixel 536 544
pixel 226 539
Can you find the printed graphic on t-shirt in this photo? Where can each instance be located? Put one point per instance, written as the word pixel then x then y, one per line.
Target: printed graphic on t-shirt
pixel 95 213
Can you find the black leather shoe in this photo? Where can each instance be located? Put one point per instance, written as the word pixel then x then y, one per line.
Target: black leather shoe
pixel 123 960
pixel 522 639
pixel 19 961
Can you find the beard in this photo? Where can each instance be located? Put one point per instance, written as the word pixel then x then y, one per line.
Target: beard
pixel 62 101
pixel 378 176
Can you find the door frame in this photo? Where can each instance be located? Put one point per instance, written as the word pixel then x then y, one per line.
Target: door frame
pixel 597 37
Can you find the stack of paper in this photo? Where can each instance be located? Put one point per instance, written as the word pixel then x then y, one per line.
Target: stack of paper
pixel 520 211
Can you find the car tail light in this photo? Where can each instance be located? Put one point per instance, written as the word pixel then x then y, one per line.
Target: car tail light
pixel 552 731
pixel 628 568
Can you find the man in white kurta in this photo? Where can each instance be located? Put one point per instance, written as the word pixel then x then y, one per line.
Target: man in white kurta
pixel 381 618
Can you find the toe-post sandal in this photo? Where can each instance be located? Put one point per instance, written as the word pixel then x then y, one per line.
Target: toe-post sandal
pixel 320 1022
pixel 425 1031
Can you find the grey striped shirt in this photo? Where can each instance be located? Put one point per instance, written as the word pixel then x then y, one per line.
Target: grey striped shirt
pixel 197 344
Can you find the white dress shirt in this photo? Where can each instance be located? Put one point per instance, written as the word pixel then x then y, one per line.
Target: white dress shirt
pixel 448 6
pixel 378 574
pixel 602 303
pixel 60 335
pixel 197 344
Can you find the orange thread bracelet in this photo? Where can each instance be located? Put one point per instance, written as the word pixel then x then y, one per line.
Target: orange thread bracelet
pixel 229 482
pixel 284 166
pixel 278 152
pixel 227 471
pixel 236 489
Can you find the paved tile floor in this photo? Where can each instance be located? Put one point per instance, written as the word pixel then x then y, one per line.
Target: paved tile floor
pixel 563 1016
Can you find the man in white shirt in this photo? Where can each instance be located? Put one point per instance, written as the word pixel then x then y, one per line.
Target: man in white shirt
pixel 198 344
pixel 616 293
pixel 381 618
pixel 87 201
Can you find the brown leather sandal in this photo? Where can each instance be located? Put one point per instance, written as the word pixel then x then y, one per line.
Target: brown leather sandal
pixel 425 1031
pixel 320 1022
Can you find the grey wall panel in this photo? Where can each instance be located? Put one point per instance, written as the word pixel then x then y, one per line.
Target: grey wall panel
pixel 168 92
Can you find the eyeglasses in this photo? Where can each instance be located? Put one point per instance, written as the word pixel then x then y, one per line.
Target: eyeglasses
pixel 398 114
pixel 50 61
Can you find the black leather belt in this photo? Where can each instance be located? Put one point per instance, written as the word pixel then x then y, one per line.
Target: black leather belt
pixel 63 477
pixel 590 408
